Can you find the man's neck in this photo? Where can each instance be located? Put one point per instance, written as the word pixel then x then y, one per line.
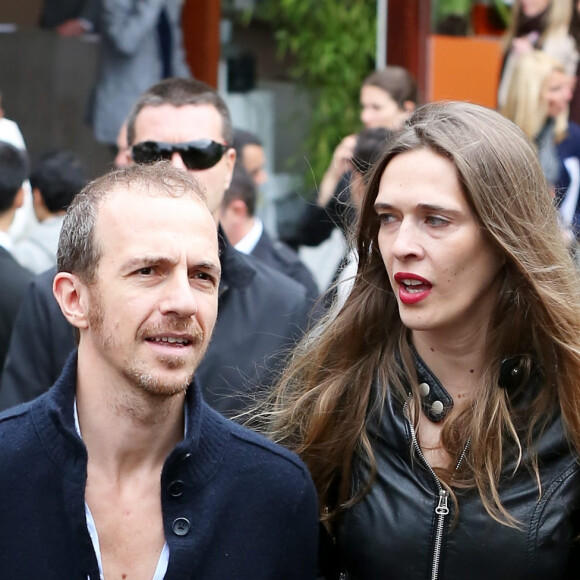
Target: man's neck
pixel 126 431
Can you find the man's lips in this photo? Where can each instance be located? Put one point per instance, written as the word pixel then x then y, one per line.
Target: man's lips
pixel 412 287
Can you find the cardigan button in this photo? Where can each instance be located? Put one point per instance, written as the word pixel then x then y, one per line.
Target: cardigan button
pixel 175 488
pixel 181 526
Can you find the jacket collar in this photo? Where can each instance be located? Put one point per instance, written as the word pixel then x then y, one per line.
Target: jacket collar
pixel 237 269
pixel 200 452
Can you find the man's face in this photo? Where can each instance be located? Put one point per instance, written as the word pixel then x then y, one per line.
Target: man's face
pixel 254 162
pixel 170 124
pixel 152 309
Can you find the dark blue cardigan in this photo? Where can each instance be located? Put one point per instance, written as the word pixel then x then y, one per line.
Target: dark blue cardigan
pixel 234 504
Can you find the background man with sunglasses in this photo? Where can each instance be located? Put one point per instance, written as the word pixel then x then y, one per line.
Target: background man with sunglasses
pixel 261 311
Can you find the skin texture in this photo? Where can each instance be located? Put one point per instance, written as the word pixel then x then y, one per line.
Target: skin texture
pixel 188 123
pixel 428 229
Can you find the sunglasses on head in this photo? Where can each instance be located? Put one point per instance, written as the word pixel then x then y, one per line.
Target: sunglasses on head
pixel 201 154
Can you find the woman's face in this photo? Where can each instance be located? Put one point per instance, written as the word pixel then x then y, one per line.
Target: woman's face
pixel 557 92
pixel 532 8
pixel 442 269
pixel 379 109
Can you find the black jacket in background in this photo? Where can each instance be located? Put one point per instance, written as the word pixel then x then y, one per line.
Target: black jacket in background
pixel 14 280
pixel 283 258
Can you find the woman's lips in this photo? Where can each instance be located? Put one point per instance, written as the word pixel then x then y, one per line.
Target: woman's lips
pixel 412 288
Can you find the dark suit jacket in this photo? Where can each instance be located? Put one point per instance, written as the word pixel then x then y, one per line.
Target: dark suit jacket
pixel 283 258
pixel 261 314
pixel 14 282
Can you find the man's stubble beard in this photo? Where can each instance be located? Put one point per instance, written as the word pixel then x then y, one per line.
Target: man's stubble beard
pixel 136 371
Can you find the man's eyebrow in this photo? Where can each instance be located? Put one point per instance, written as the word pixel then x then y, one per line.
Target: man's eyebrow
pixel 208 266
pixel 155 260
pixel 147 260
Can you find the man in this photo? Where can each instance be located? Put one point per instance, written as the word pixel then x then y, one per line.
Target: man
pixel 124 471
pixel 56 179
pixel 14 278
pixel 250 151
pixel 262 312
pixel 246 232
pixel 141 43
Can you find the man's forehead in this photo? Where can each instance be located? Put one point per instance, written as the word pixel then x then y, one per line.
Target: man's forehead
pixel 175 124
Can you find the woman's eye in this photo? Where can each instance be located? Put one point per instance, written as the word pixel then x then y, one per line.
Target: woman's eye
pixel 386 218
pixel 436 221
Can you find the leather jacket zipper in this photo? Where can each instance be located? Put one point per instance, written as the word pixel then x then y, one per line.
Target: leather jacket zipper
pixel 441 510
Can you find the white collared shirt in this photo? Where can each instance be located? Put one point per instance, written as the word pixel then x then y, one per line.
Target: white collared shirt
pixel 247 244
pixel 163 562
pixel 5 241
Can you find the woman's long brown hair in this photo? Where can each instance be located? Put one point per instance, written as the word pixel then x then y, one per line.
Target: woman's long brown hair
pixel 344 368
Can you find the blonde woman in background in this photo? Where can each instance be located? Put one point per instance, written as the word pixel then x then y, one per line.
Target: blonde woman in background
pixel 537 101
pixel 538 25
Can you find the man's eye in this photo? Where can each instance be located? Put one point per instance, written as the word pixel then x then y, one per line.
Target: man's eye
pixel 204 277
pixel 147 271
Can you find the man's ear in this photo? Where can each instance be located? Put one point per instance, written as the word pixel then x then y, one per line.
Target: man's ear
pixel 230 156
pixel 18 199
pixel 409 106
pixel 71 295
pixel 238 208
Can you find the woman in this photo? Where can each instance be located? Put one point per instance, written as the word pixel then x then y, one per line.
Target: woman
pixel 433 410
pixel 537 101
pixel 541 25
pixel 387 99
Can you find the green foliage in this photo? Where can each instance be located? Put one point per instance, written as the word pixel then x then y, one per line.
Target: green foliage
pixel 333 47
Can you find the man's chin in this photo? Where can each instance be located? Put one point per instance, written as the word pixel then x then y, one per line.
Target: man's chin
pixel 166 383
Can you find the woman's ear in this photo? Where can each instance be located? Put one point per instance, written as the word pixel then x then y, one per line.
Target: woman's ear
pixel 70 292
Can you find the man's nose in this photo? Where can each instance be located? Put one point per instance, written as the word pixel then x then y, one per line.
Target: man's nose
pixel 177 161
pixel 178 296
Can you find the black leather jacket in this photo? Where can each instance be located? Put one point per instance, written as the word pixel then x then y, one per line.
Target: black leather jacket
pixel 403 529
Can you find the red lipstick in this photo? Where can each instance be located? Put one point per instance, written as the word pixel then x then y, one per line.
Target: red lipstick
pixel 412 288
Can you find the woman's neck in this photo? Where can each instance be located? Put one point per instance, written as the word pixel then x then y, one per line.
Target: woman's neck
pixel 458 363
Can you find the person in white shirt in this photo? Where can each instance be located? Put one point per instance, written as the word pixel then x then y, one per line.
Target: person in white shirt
pixel 57 178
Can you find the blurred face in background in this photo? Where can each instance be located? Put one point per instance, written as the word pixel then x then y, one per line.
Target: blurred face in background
pixel 532 8
pixel 557 92
pixel 379 109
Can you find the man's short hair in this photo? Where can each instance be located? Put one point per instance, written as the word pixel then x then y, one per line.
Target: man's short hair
pixel 243 138
pixel 78 251
pixel 395 80
pixel 59 176
pixel 13 171
pixel 242 187
pixel 179 92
